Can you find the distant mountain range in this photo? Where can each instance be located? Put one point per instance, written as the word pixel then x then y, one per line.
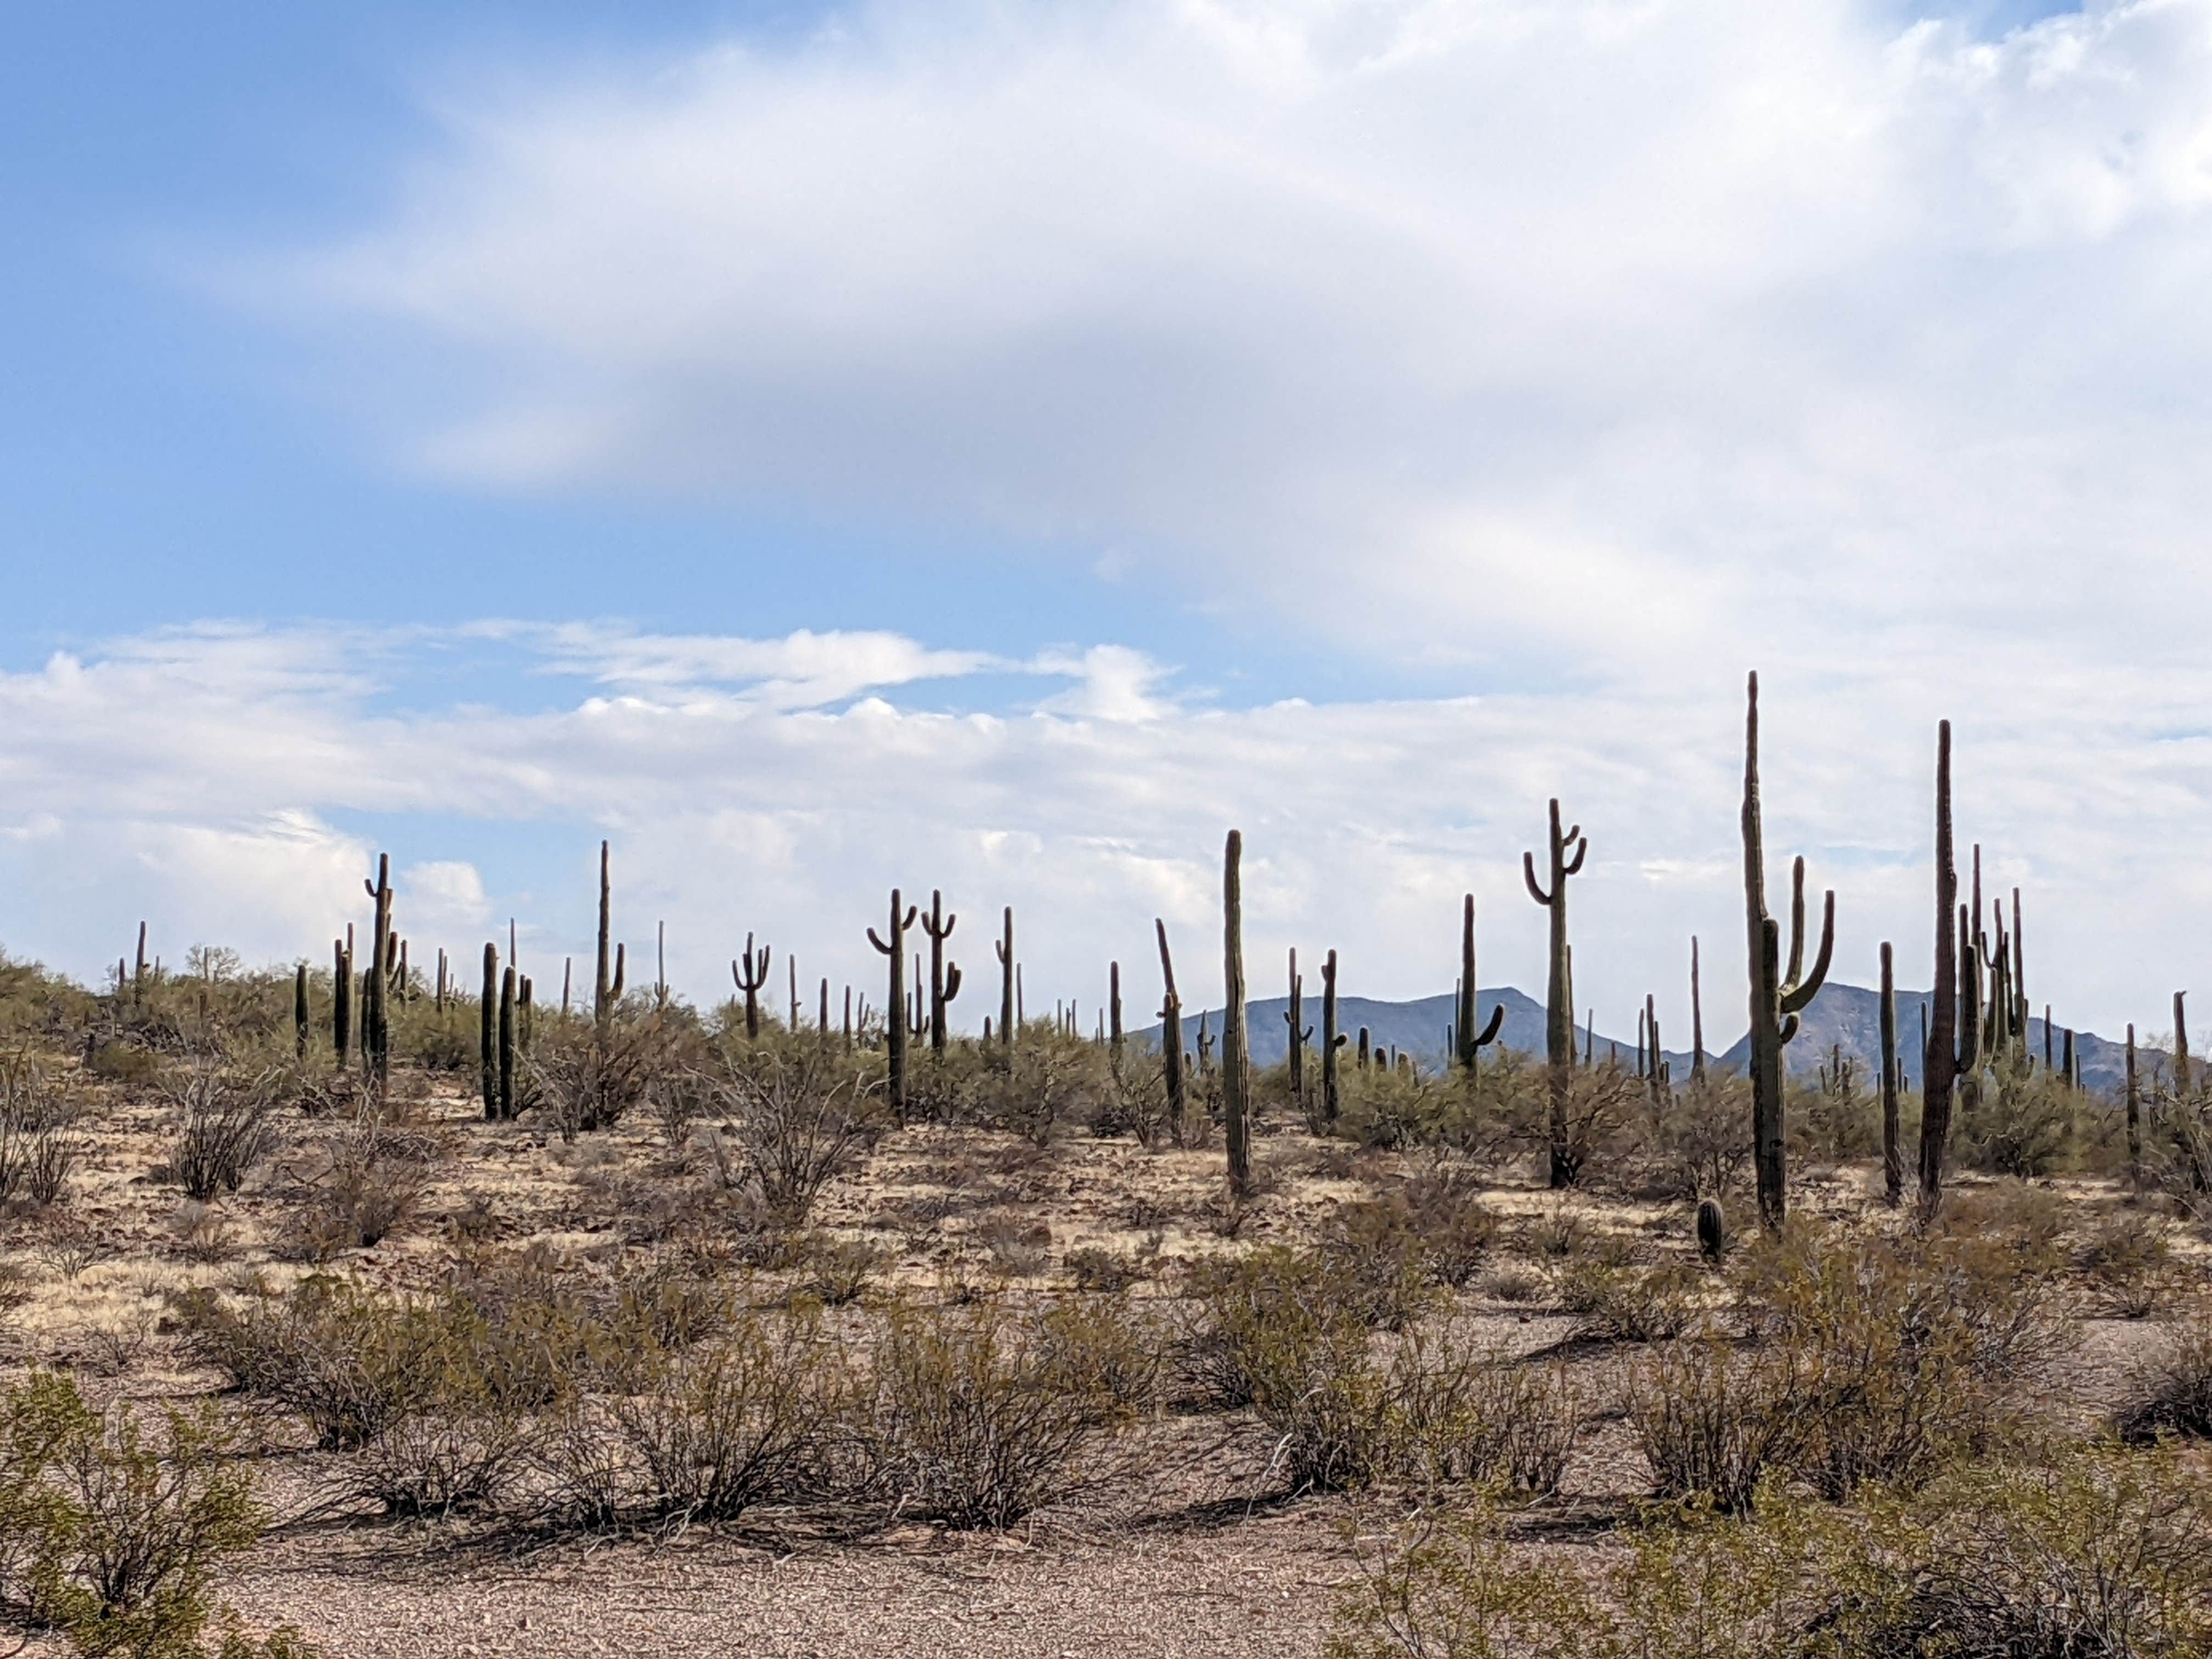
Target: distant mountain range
pixel 1842 1017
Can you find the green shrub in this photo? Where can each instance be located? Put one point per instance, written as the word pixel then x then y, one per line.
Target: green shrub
pixel 2127 1262
pixel 2101 1555
pixel 971 1419
pixel 1616 1302
pixel 1712 1421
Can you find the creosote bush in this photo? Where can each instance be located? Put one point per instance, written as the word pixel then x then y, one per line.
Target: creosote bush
pixel 2102 1554
pixel 114 1528
pixel 2171 1394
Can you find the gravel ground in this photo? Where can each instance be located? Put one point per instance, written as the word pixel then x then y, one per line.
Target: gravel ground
pixel 1260 1586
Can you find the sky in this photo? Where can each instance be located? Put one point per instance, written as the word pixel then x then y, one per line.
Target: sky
pixel 997 447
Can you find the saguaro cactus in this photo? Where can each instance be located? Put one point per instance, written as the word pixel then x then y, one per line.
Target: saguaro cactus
pixel 342 1000
pixel 1558 989
pixel 1471 1043
pixel 1170 1034
pixel 1892 1155
pixel 894 1011
pixel 507 987
pixel 299 1011
pixel 1301 1033
pixel 606 986
pixel 2135 1117
pixel 1777 996
pixel 1331 1040
pixel 1939 1064
pixel 1696 1020
pixel 138 969
pixel 1236 1082
pixel 376 1031
pixel 1113 1037
pixel 943 976
pixel 488 1017
pixel 750 973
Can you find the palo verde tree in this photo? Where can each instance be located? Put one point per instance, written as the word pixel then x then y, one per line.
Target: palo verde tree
pixel 1778 996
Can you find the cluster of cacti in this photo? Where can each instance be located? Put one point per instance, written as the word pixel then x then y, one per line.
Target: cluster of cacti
pixel 1558 989
pixel 1778 995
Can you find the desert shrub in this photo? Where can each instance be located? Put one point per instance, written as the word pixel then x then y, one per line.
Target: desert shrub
pixel 730 1423
pixel 836 1271
pixel 201 1232
pixel 1251 1316
pixel 362 1186
pixel 2172 1392
pixel 1048 1078
pixel 2101 1555
pixel 587 1076
pixel 797 1120
pixel 1699 1135
pixel 38 1144
pixel 1020 1248
pixel 1903 1353
pixel 132 1526
pixel 1614 1302
pixel 2018 1121
pixel 1390 1109
pixel 1095 1267
pixel 971 1420
pixel 1472 1416
pixel 2127 1263
pixel 1834 1115
pixel 1711 1421
pixel 227 1127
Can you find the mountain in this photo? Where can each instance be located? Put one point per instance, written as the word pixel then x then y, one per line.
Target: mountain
pixel 1845 1017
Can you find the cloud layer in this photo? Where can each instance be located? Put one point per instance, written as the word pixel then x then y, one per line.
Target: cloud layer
pixel 232 783
pixel 1564 339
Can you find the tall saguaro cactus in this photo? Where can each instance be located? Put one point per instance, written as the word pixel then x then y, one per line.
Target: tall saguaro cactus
pixel 607 986
pixel 1558 989
pixel 943 976
pixel 1471 1043
pixel 895 1010
pixel 1171 1033
pixel 507 986
pixel 750 973
pixel 488 1015
pixel 1777 996
pixel 342 999
pixel 1331 1041
pixel 299 1011
pixel 1236 1079
pixel 1892 1155
pixel 1009 1014
pixel 1295 1017
pixel 1939 1066
pixel 375 1028
pixel 1696 1019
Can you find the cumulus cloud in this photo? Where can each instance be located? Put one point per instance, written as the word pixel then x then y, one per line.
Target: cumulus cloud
pixel 245 817
pixel 1572 337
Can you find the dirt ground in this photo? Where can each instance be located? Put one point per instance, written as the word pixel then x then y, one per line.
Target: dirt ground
pixel 1190 1551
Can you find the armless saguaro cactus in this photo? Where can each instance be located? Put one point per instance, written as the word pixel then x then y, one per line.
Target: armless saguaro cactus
pixel 750 971
pixel 1170 1034
pixel 1114 1036
pixel 376 1029
pixel 895 1010
pixel 2135 1117
pixel 299 1011
pixel 341 999
pixel 1470 1042
pixel 1559 990
pixel 1777 996
pixel 1236 1082
pixel 1939 1064
pixel 943 976
pixel 1696 1020
pixel 507 987
pixel 1331 1101
pixel 1892 1155
pixel 487 1034
pixel 1005 948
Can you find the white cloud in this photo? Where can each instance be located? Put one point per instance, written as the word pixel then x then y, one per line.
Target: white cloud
pixel 1577 336
pixel 1364 820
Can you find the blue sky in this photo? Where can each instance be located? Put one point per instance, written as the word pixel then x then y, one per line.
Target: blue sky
pixel 1000 446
